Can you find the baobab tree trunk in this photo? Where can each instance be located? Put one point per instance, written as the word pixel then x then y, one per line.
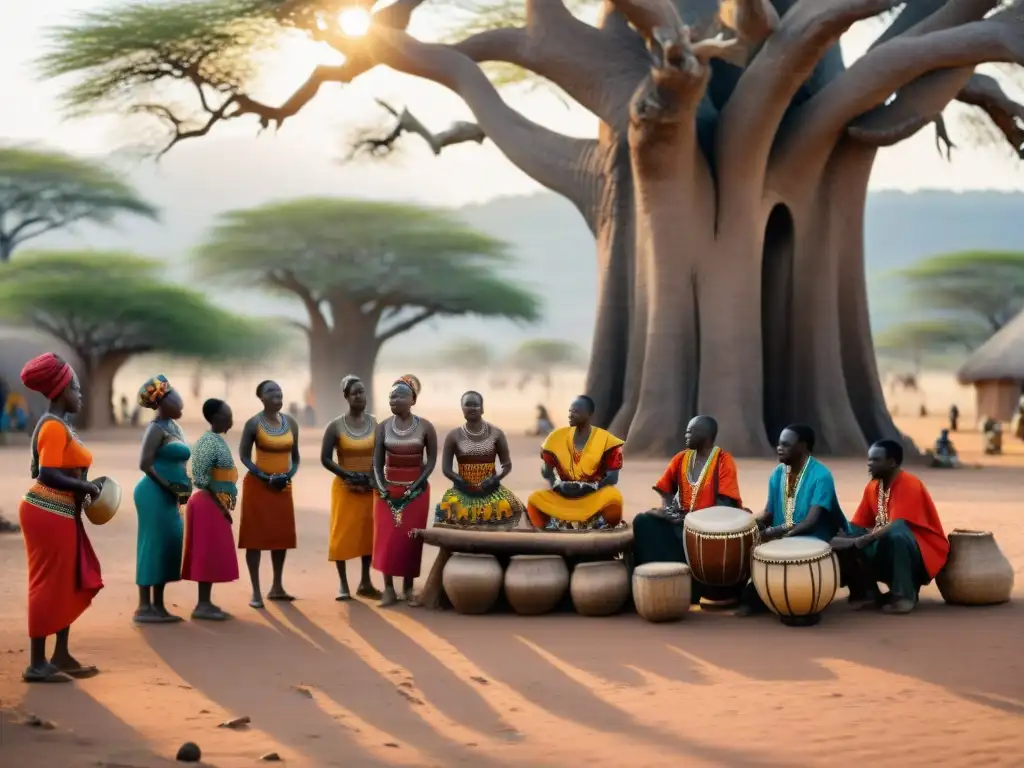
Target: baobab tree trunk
pixel 98 382
pixel 335 354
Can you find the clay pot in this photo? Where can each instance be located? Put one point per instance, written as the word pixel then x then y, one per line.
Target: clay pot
pixel 599 589
pixel 977 572
pixel 662 591
pixel 472 582
pixel 535 584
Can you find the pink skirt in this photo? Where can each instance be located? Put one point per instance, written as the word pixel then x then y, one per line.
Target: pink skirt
pixel 209 543
pixel 395 553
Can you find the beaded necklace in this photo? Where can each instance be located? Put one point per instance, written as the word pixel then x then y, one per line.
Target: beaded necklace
pixel 274 431
pixel 789 498
pixel 484 429
pixel 367 427
pixel 577 456
pixel 403 432
pixel 882 508
pixel 696 485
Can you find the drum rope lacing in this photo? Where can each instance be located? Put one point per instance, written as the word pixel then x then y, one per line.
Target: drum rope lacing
pixel 695 486
pixel 789 499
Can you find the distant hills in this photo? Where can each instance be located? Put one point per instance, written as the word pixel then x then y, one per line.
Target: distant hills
pixel 555 251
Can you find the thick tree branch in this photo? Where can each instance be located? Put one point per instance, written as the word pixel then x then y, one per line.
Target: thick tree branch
pixel 459 132
pixel 578 58
pixel 752 116
pixel 914 107
pixel 563 164
pixel 405 325
pixel 898 63
pixel 985 93
pixel 286 280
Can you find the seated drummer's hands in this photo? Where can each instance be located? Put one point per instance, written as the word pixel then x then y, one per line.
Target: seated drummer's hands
pixel 570 489
pixel 768 534
pixel 490 485
pixel 461 485
pixel 842 543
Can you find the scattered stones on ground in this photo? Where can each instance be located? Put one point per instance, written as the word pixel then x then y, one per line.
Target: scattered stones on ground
pixel 271 757
pixel 189 752
pixel 238 722
pixel 34 721
pixel 304 690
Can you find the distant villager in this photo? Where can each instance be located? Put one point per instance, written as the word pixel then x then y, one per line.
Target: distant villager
pixel 544 424
pixel 993 432
pixel 944 455
pixel 268 509
pixel 954 417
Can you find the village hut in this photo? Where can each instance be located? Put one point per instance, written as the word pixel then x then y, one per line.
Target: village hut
pixel 996 369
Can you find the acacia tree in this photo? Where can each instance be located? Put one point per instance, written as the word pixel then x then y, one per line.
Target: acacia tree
pixel 726 187
pixel 41 191
pixel 365 273
pixel 110 307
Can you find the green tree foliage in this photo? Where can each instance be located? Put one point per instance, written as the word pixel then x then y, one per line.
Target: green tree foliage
pixel 365 272
pixel 42 191
pixel 963 299
pixel 544 355
pixel 109 307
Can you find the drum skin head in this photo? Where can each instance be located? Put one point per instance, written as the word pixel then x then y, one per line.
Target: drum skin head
pixel 661 570
pixel 793 549
pixel 719 520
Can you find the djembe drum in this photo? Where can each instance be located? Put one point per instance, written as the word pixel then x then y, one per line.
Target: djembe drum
pixel 796 578
pixel 718 542
pixel 105 507
pixel 661 591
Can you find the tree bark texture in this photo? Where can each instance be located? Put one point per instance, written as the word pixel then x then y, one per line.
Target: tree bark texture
pixel 726 192
pixel 335 354
pixel 98 376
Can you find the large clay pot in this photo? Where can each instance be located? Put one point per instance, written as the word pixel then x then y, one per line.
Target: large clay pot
pixel 472 582
pixel 662 591
pixel 535 584
pixel 977 572
pixel 599 589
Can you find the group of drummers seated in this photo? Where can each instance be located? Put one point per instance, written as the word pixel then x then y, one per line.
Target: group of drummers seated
pixel 895 536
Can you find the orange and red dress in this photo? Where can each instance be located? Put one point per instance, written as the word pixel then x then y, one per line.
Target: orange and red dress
pixel 63 570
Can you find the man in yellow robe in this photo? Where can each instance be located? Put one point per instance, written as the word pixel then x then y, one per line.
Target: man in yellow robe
pixel 581 464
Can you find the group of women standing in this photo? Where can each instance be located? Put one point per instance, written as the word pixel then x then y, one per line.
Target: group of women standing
pixel 379 496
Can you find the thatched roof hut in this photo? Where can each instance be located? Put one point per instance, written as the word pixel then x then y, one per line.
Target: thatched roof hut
pixel 996 369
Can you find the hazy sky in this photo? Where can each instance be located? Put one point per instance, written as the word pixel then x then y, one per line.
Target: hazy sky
pixel 464 175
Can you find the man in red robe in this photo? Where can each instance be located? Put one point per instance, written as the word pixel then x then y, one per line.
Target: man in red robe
pixel 895 536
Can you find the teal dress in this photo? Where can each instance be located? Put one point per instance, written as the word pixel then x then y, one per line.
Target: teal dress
pixel 815 489
pixel 158 553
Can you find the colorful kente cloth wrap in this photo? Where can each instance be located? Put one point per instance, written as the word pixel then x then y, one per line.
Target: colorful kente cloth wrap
pixel 790 499
pixel 913 548
pixel 660 540
pixel 549 509
pixel 268 516
pixel 153 391
pixel 497 510
pixel 209 541
pixel 351 533
pixel 161 530
pixel 63 571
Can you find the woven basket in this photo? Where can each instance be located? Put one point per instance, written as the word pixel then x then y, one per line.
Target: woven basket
pixel 977 572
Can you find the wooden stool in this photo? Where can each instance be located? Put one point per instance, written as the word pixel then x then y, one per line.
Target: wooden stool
pixel 472 582
pixel 599 589
pixel 662 591
pixel 535 584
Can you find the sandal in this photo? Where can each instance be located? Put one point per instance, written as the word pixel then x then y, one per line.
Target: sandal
pixel 82 673
pixel 47 674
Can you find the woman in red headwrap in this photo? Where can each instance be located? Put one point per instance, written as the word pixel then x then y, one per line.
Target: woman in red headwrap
pixel 63 571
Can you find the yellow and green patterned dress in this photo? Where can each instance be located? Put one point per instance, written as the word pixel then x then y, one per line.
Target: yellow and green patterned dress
pixel 499 509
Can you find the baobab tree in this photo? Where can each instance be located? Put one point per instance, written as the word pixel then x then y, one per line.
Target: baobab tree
pixel 725 189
